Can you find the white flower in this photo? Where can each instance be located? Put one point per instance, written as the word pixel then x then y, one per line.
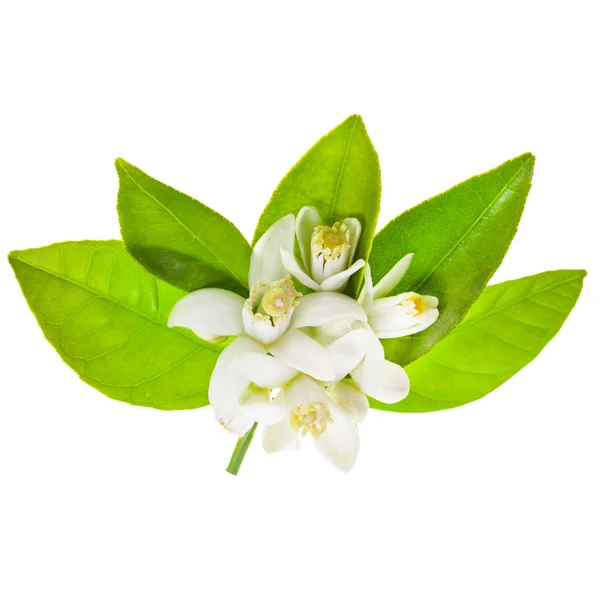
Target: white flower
pixel 264 356
pixel 399 315
pixel 339 325
pixel 267 312
pixel 241 383
pixel 328 415
pixel 327 252
pixel 213 313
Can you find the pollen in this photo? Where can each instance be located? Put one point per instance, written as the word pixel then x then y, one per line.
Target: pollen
pixel 331 242
pixel 419 304
pixel 414 304
pixel 311 418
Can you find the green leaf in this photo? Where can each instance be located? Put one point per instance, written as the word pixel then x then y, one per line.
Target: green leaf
pixel 340 177
pixel 459 239
pixel 177 238
pixel 106 317
pixel 507 328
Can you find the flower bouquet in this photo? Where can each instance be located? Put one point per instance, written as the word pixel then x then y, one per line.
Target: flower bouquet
pixel 319 319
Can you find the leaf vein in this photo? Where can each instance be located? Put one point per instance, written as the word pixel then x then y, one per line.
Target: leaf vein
pixel 165 208
pixel 475 223
pixel 520 299
pixel 204 345
pixel 341 173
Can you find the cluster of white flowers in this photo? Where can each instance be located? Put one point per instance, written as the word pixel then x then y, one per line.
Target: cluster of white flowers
pixel 304 365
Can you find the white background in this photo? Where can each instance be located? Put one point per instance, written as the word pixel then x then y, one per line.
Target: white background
pixel 99 499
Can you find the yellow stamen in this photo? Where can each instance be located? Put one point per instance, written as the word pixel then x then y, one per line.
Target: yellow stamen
pixel 332 239
pixel 331 242
pixel 311 418
pixel 272 301
pixel 414 304
pixel 419 304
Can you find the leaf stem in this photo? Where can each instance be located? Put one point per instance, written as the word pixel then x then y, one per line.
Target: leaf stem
pixel 240 451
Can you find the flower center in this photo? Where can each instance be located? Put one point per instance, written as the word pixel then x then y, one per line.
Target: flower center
pixel 332 239
pixel 311 418
pixel 419 304
pixel 414 304
pixel 331 242
pixel 273 301
pixel 277 301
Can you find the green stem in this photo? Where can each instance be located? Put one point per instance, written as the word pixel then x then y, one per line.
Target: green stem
pixel 240 451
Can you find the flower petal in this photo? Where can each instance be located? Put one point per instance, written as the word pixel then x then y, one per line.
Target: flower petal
pixel 334 266
pixel 382 304
pixel 210 313
pixel 381 379
pixel 299 351
pixel 326 307
pixel 355 229
pixel 339 281
pixel 351 399
pixel 291 266
pixel 227 384
pixel 308 218
pixel 266 371
pixel 339 442
pixel 348 351
pixel 265 262
pixel 365 299
pixel 430 301
pixel 257 405
pixel 279 436
pixel 235 421
pixel 304 390
pixel 392 278
pixel 392 319
pixel 376 349
pixel 403 325
pixel 317 267
pixel 262 329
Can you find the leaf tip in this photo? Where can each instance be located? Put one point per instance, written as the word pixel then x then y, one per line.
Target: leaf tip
pixel 121 164
pixel 353 120
pixel 525 163
pixel 528 157
pixel 13 256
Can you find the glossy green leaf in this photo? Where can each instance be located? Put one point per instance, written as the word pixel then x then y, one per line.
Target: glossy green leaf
pixel 340 177
pixel 505 329
pixel 177 238
pixel 106 317
pixel 459 239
